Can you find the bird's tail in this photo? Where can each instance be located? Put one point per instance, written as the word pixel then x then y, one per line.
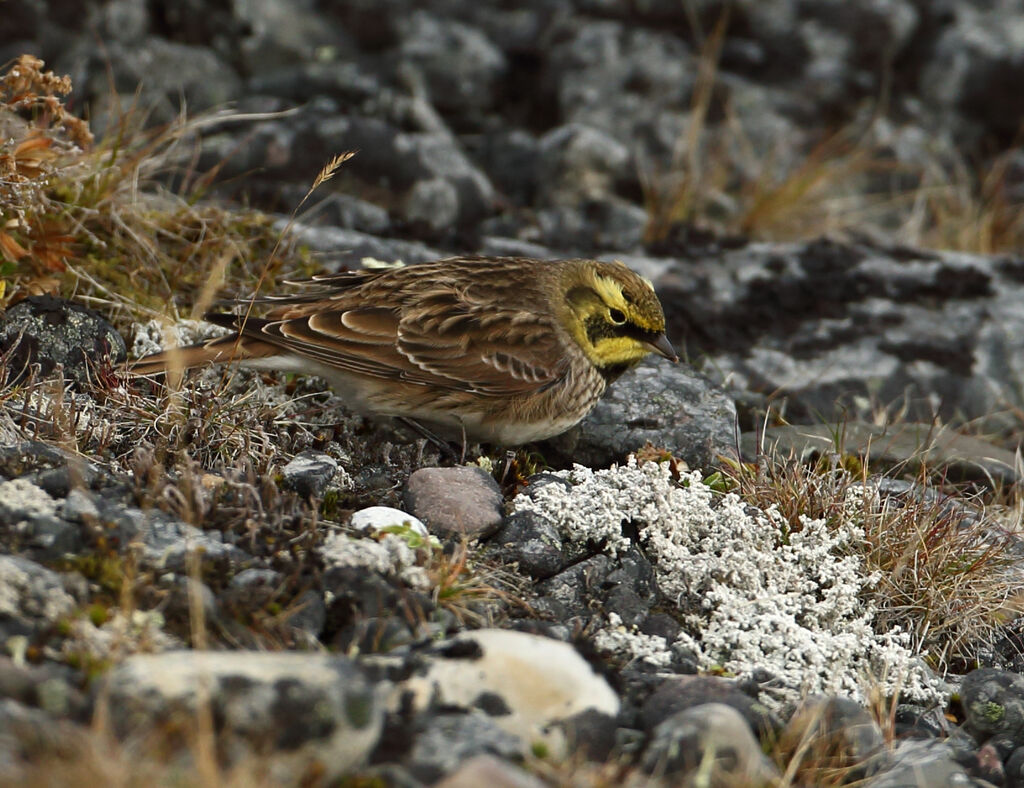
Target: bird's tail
pixel 215 351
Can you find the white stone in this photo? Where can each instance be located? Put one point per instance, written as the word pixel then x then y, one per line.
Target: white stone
pixel 542 681
pixel 375 519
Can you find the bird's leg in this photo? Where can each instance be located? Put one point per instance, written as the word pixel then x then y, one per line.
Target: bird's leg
pixel 443 446
pixel 509 458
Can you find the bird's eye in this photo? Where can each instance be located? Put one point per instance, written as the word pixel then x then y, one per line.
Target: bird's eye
pixel 617 316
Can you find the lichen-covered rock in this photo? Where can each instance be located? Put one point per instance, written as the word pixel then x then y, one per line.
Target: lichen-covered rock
pixel 993 702
pixel 49 331
pixel 32 598
pixel 669 406
pixel 523 682
pixel 309 472
pixel 306 714
pixel 713 739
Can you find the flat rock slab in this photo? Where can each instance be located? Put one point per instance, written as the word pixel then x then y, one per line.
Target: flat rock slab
pixel 911 445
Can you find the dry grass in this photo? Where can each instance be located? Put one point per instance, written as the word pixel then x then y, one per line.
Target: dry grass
pixel 848 182
pixel 98 220
pixel 476 592
pixel 943 563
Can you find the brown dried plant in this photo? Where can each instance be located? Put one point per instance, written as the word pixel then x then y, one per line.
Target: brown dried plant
pixel 37 138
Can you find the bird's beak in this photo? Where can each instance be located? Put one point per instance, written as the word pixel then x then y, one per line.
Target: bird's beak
pixel 663 347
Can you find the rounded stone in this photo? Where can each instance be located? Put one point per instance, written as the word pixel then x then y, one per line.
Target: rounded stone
pixel 460 501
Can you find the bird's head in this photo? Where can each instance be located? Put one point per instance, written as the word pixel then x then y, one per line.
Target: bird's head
pixel 615 317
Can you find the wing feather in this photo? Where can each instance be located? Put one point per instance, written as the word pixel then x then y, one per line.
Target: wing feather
pixel 440 332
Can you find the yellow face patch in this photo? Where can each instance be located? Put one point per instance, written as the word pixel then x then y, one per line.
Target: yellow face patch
pixel 638 307
pixel 610 291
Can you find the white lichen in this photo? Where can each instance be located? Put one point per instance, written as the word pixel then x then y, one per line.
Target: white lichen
pixel 752 593
pixel 156 335
pixel 390 554
pixel 628 643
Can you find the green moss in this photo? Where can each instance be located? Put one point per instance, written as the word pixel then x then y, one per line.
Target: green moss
pixel 106 570
pixel 359 709
pixel 98 614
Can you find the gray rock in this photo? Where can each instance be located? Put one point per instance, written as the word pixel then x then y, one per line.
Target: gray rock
pixel 571 590
pixel 512 159
pixel 532 542
pixel 976 61
pixel 438 155
pixel 271 35
pixel 350 213
pixel 251 577
pixel 307 80
pixel 993 702
pixel 513 247
pixel 49 331
pixel 922 764
pixel 30 736
pixel 165 540
pixel 711 738
pixel 667 405
pixel 833 330
pixel 844 41
pixel 122 20
pixel 459 501
pixel 433 203
pixel 608 223
pixel 32 598
pixel 43 687
pixel 488 770
pixel 844 730
pixel 580 163
pixel 449 740
pixel 593 734
pixel 54 470
pixel 457 63
pixel 169 73
pixel 1015 766
pixel 684 692
pixel 349 248
pixel 309 614
pixel 624 80
pixel 310 472
pixel 304 714
pixel 79 507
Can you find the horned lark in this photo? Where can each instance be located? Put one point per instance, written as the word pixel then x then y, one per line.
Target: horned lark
pixel 498 350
